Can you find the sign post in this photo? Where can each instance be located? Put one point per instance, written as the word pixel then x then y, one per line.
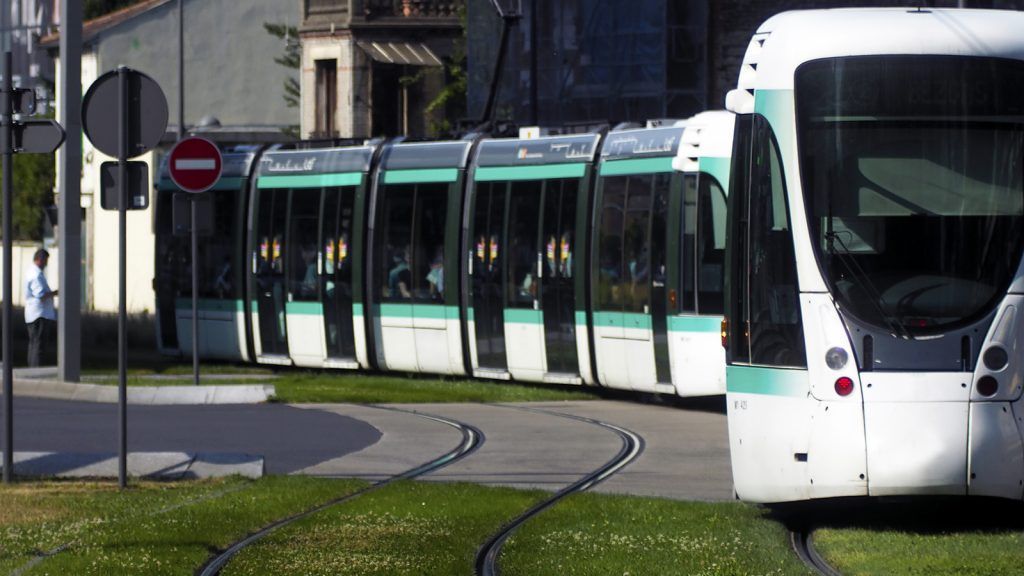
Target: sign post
pixel 32 136
pixel 195 166
pixel 124 114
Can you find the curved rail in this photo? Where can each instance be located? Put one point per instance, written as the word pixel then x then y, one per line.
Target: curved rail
pixel 486 563
pixel 472 438
pixel 801 542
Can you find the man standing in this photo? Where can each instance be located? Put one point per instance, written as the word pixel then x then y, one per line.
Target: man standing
pixel 40 315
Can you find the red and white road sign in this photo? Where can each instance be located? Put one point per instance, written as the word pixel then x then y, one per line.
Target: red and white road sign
pixel 194 164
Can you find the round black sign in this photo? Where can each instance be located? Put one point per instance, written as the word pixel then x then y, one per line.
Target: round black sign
pixel 145 113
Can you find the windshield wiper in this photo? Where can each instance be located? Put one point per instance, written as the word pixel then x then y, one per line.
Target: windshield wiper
pixel 874 296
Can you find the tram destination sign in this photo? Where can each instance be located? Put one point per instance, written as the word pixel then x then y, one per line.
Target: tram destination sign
pixel 555 150
pixel 195 164
pixel 308 162
pixel 642 143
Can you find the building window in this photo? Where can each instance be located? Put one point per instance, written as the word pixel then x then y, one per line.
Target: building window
pixel 326 97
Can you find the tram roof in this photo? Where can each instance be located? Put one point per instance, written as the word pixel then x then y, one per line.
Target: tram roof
pixel 426 155
pixel 787 40
pixel 576 148
pixel 316 161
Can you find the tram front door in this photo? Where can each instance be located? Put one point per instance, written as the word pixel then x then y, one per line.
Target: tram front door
pixel 487 277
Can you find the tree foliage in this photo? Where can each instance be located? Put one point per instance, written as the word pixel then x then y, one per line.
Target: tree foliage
pixel 290 59
pixel 34 175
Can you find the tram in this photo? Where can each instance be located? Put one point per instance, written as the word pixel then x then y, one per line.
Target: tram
pixel 549 259
pixel 876 215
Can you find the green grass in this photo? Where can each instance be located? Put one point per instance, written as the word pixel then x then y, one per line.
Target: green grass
pixel 602 534
pixel 855 551
pixel 405 528
pixel 432 528
pixel 306 387
pixel 151 528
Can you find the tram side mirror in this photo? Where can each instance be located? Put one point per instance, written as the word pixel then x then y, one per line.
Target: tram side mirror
pixel 181 213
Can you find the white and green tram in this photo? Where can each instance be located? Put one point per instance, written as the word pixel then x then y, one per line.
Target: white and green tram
pixel 593 259
pixel 874 249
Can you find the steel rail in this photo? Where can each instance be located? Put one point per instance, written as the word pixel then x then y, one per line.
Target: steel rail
pixel 472 438
pixel 486 563
pixel 801 542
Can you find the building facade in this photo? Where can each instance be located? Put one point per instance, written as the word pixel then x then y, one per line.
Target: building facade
pixel 232 77
pixel 372 67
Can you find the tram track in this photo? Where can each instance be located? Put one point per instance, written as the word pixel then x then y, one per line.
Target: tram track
pixel 472 439
pixel 803 545
pixel 486 562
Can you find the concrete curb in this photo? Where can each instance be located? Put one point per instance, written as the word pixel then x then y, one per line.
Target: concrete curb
pixel 151 465
pixel 41 383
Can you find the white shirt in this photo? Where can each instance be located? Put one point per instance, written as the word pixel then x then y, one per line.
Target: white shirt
pixel 35 288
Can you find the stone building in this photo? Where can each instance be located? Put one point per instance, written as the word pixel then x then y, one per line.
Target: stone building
pixel 371 67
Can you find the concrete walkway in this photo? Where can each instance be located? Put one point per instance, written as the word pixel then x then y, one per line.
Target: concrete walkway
pixel 152 465
pixel 43 383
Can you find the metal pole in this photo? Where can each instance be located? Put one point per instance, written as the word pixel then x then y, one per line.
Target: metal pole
pixel 194 201
pixel 69 209
pixel 6 118
pixel 122 312
pixel 181 69
pixel 534 82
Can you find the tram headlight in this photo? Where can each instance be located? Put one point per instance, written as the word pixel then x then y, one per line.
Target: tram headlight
pixel 836 358
pixel 844 386
pixel 988 386
pixel 996 358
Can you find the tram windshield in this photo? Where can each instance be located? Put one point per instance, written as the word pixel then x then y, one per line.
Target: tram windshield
pixel 913 177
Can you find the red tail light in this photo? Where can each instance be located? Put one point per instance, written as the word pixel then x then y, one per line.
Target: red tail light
pixel 844 386
pixel 725 333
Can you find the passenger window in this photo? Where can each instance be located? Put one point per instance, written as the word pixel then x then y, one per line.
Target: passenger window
pixel 428 256
pixel 776 333
pixel 523 252
pixel 303 285
pixel 711 245
pixel 395 258
pixel 609 243
pixel 737 273
pixel 637 244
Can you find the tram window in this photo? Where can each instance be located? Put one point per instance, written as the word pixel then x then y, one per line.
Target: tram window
pixel 688 268
pixel 394 266
pixel 523 252
pixel 216 276
pixel 302 245
pixel 636 245
pixel 737 241
pixel 428 254
pixel 710 245
pixel 776 333
pixel 609 243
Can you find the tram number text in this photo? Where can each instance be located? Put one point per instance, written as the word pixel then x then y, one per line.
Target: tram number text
pixel 739 404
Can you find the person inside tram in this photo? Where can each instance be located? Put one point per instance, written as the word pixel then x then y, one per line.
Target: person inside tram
pixel 435 278
pixel 307 289
pixel 400 277
pixel 222 285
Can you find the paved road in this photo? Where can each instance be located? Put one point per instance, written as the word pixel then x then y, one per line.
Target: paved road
pixel 686 450
pixel 289 438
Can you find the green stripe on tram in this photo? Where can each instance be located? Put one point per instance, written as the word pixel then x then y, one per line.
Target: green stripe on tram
pixel 311 180
pixel 767 381
pixel 711 324
pixel 304 308
pixel 636 166
pixel 523 316
pixel 229 183
pixel 719 168
pixel 431 311
pixel 357 308
pixel 425 175
pixel 631 320
pixel 539 172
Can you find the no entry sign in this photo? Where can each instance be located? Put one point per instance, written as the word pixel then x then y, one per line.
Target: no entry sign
pixel 194 164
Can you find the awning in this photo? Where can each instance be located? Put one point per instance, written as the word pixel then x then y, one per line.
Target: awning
pixel 403 53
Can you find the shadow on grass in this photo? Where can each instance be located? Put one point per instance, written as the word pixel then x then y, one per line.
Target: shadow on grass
pixel 916 515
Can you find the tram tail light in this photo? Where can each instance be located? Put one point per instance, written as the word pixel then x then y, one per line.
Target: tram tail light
pixel 844 386
pixel 725 333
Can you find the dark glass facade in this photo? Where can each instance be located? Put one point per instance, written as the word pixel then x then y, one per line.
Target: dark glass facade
pixel 580 61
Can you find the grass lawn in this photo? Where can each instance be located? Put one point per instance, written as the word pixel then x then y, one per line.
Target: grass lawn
pixel 309 386
pixel 941 537
pixel 603 534
pixel 434 528
pixel 151 528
